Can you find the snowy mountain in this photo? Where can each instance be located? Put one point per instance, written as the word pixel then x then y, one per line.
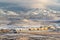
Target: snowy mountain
pixel 5 12
pixel 42 14
pixel 31 17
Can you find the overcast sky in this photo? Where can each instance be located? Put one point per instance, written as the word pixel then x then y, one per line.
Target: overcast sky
pixel 34 3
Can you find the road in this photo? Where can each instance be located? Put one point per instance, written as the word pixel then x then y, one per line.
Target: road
pixel 23 36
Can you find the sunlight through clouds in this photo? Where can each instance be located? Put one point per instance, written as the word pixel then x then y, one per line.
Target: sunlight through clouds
pixel 32 3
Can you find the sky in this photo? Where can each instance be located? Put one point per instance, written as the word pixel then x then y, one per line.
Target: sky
pixel 34 3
